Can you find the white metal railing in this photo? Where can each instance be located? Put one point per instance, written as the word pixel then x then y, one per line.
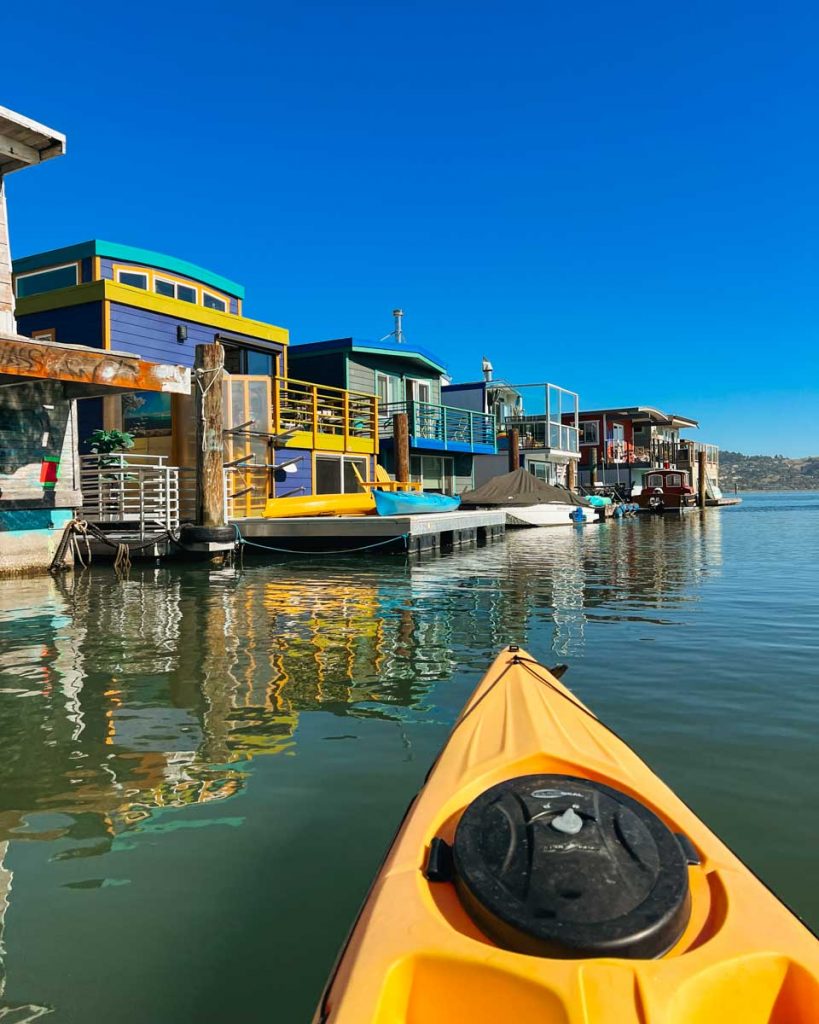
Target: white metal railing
pixel 141 490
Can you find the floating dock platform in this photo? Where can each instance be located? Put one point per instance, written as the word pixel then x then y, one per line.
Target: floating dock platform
pixel 416 534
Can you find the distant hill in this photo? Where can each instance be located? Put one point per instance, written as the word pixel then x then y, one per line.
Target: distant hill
pixel 767 472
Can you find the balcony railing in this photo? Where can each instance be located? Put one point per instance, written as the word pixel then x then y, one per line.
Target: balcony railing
pixel 536 432
pixel 331 417
pixel 441 426
pixel 679 454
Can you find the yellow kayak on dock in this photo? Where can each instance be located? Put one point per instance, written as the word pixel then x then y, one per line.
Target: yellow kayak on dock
pixel 360 503
pixel 545 875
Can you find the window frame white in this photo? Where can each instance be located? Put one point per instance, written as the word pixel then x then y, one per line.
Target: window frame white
pixel 134 272
pixel 223 308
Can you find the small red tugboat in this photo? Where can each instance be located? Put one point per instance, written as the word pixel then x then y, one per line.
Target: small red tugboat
pixel 666 490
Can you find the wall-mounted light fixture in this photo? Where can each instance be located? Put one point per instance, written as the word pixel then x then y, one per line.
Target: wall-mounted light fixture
pixel 181 333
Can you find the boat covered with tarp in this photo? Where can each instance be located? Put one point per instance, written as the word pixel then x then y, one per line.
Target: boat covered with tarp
pixel 527 500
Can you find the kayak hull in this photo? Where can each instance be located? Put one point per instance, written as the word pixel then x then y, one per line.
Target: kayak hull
pixel 415 956
pixel 409 503
pixel 356 504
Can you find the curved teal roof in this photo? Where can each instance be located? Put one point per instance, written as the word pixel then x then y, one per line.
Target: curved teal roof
pixel 128 254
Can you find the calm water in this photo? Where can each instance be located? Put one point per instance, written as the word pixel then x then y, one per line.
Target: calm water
pixel 200 772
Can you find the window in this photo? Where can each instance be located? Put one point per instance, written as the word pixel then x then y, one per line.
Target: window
pixel 674 480
pixel 336 475
pixel 49 335
pixel 46 280
pixel 133 278
pixel 213 302
pixel 258 364
pixel 174 289
pixel 166 288
pixel 654 480
pixel 422 391
pixel 382 388
pixel 589 432
pixel 434 473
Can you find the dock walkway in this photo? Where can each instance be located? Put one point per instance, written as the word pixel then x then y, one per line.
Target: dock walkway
pixel 416 534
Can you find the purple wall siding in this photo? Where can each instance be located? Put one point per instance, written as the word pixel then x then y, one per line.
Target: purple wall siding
pixel 75 325
pixel 107 269
pixel 234 305
pixel 303 477
pixel 153 335
pixel 86 270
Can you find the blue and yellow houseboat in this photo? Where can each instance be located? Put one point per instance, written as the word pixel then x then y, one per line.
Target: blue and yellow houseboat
pixel 284 436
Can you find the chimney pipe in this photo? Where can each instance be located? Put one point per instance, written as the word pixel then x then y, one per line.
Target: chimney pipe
pixel 487 368
pixel 399 333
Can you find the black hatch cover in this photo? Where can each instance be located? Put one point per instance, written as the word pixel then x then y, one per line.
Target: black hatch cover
pixel 559 866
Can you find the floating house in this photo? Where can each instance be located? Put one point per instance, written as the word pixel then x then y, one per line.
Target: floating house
pixel 544 416
pixel 620 445
pixel 283 436
pixel 445 439
pixel 40 384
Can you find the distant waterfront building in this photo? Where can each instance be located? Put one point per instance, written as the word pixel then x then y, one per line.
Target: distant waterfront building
pixel 445 439
pixel 133 300
pixel 40 383
pixel 544 415
pixel 619 445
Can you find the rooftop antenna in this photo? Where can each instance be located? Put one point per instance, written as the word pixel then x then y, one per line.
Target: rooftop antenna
pixel 488 369
pixel 398 332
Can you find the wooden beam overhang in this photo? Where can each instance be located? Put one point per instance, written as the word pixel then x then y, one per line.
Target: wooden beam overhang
pixel 85 372
pixel 24 143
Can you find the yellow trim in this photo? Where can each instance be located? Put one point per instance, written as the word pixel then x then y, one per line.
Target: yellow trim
pixel 47 334
pixel 153 275
pixel 106 325
pixel 96 272
pixel 98 291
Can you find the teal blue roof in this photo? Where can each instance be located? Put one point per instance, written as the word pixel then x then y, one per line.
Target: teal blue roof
pixel 128 254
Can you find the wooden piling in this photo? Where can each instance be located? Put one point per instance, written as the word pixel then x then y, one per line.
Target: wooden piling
pixel 210 478
pixel 702 478
pixel 593 470
pixel 571 474
pixel 514 449
pixel 400 434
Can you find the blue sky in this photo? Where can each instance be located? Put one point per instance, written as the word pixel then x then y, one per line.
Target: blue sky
pixel 621 198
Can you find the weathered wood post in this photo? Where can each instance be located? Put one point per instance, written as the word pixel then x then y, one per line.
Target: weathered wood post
pixel 514 449
pixel 400 434
pixel 593 470
pixel 210 478
pixel 571 475
pixel 702 478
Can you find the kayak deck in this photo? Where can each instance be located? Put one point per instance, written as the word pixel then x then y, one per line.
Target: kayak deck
pixel 415 955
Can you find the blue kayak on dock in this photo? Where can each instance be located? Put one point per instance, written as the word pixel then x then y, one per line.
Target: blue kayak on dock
pixel 409 503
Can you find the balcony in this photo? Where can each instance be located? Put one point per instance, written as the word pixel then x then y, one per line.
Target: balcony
pixel 332 419
pixel 675 454
pixel 536 433
pixel 441 427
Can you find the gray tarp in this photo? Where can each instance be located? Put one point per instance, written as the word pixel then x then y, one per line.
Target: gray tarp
pixel 519 488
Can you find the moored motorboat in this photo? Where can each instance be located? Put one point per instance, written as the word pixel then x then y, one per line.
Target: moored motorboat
pixel 409 503
pixel 527 500
pixel 545 874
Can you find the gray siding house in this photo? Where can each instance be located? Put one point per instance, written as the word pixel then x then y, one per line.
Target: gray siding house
pixel 444 439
